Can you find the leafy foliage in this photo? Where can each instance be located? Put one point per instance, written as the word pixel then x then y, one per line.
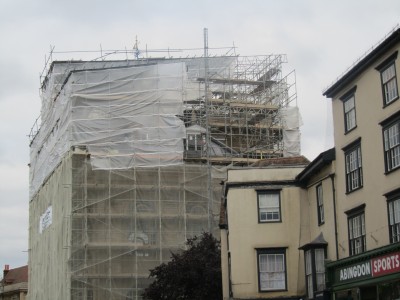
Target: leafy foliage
pixel 192 274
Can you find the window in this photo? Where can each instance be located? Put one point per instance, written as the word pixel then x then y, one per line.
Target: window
pixel 320 268
pixel 309 274
pixel 354 177
pixel 394 217
pixel 389 84
pixel 391 138
pixel 269 206
pixel 315 270
pixel 320 205
pixel 195 142
pixel 271 269
pixel 349 113
pixel 349 108
pixel 389 79
pixel 356 223
pixel 394 220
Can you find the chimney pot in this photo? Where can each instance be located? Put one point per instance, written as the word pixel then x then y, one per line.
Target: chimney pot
pixel 6 270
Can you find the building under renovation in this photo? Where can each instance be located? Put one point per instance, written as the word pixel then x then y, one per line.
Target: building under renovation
pixel 128 159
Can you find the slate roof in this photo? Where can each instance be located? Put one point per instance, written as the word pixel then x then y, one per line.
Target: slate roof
pixel 16 275
pixel 282 161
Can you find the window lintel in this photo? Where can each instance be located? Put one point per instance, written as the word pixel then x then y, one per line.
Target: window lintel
pixel 355 210
pixel 392 194
pixel 352 144
pixel 268 191
pixel 271 249
pixel 386 62
pixel 348 94
pixel 390 119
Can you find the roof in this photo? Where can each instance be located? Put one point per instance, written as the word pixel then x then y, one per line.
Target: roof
pixel 392 39
pixel 322 160
pixel 282 161
pixel 16 275
pixel 319 241
pixel 195 129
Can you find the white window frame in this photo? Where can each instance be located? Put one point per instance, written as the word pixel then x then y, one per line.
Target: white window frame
pixel 390 89
pixel 357 236
pixel 271 269
pixel 320 268
pixel 315 270
pixel 349 106
pixel 391 139
pixel 195 142
pixel 320 204
pixel 309 274
pixel 353 166
pixel 389 84
pixel 394 218
pixel 269 206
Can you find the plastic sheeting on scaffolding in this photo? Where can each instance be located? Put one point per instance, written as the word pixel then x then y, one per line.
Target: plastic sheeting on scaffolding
pixel 134 113
pixel 107 228
pixel 292 121
pixel 124 116
pixel 109 184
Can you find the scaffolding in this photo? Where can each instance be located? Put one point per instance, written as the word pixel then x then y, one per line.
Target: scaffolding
pixel 130 221
pixel 128 159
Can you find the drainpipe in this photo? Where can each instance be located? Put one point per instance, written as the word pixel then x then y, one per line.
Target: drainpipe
pixel 225 235
pixel 332 176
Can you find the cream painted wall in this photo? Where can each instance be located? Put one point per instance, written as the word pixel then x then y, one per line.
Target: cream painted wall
pixel 246 234
pixel 224 264
pixel 369 113
pixel 263 174
pixel 310 227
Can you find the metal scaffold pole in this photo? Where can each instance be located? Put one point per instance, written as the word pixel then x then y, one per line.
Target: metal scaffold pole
pixel 145 144
pixel 208 130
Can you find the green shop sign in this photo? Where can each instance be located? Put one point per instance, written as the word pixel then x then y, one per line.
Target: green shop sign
pixel 353 272
pixel 375 267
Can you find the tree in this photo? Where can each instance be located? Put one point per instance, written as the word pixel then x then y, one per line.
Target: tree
pixel 191 274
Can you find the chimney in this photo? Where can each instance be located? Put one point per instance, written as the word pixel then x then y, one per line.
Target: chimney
pixel 6 269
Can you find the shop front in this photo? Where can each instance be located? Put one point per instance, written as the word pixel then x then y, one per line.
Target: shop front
pixel 372 275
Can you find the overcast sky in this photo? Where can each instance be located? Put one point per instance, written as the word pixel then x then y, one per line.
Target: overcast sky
pixel 321 40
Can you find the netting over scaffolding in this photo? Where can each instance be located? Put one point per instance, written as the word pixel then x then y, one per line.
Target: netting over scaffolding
pixel 136 113
pixel 126 222
pixel 129 156
pixel 95 234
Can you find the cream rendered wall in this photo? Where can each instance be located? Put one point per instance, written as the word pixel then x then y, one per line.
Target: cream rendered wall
pixel 22 296
pixel 49 276
pixel 263 174
pixel 369 113
pixel 224 264
pixel 310 227
pixel 246 234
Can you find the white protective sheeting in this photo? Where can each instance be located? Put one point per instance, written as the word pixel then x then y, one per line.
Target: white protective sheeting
pixel 125 116
pixel 131 113
pixel 292 121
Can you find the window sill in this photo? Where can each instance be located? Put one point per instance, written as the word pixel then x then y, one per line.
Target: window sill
pixel 272 291
pixel 269 222
pixel 355 254
pixel 350 130
pixel 352 191
pixel 391 102
pixel 392 170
